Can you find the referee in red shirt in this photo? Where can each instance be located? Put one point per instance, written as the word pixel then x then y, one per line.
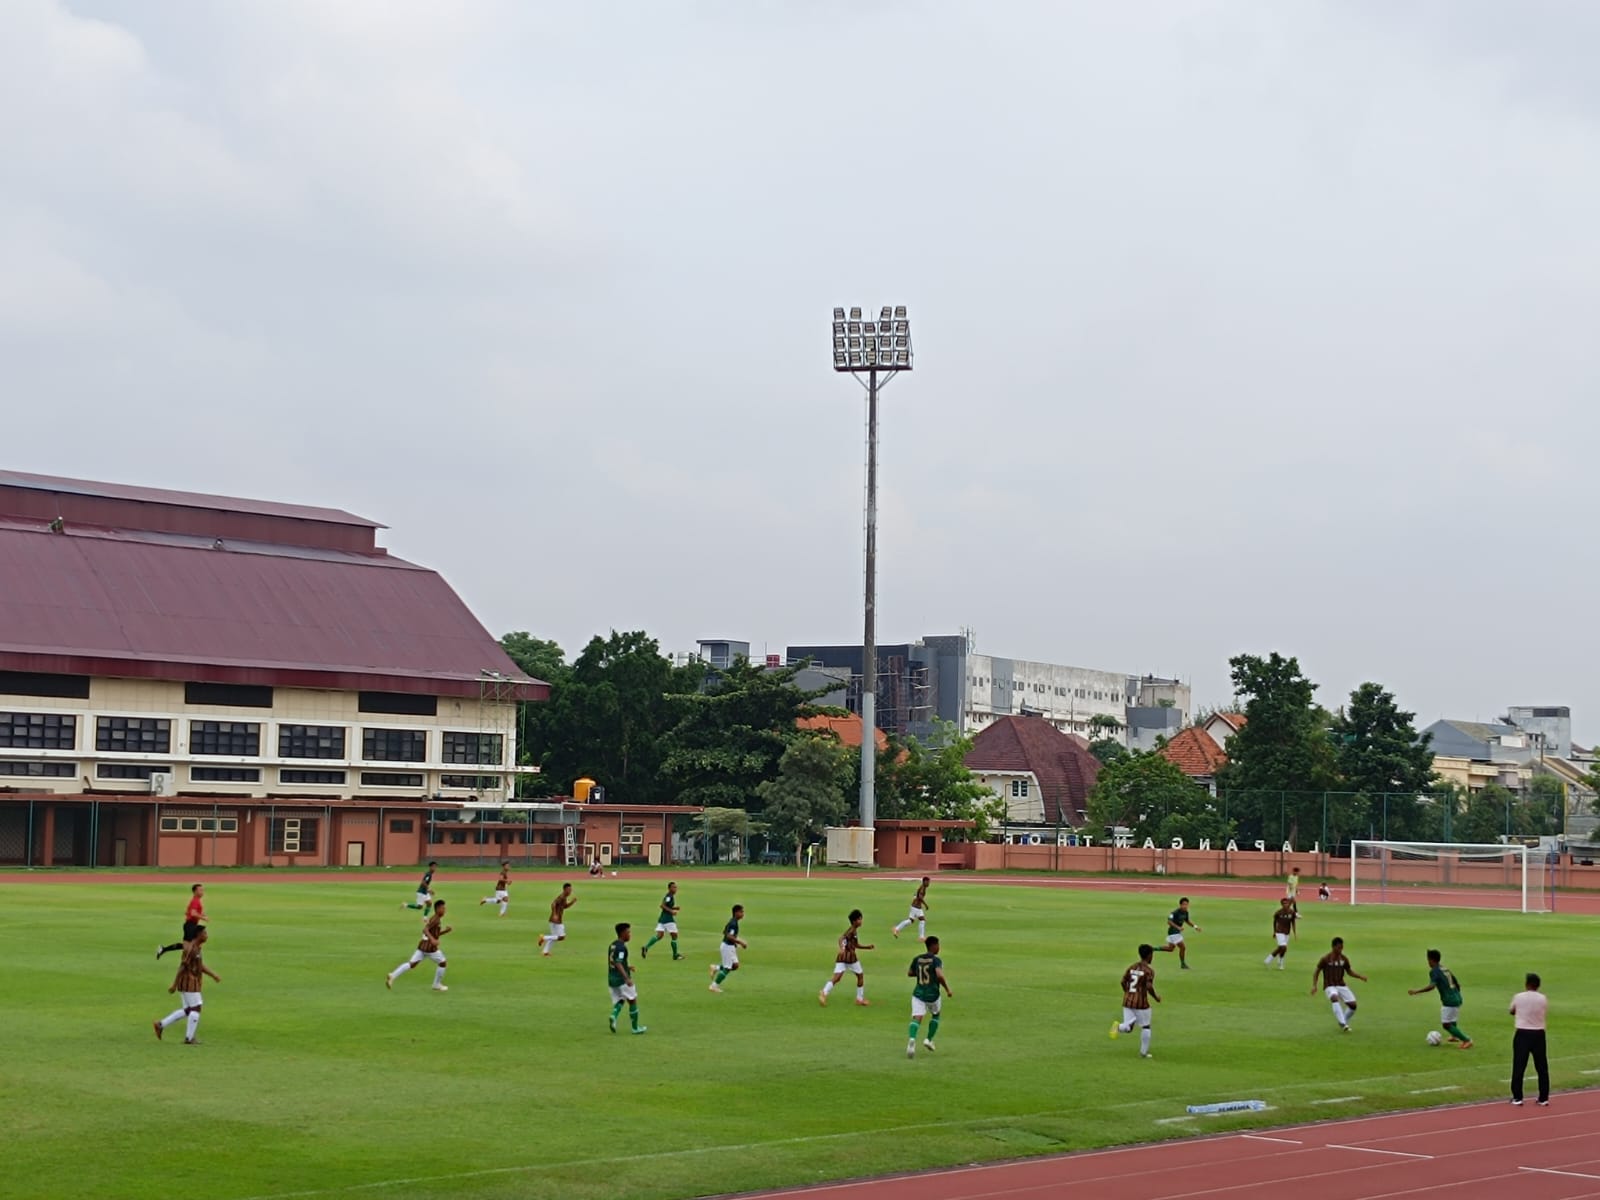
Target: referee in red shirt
pixel 194 919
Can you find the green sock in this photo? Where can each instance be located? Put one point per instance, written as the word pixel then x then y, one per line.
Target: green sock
pixel 933 1027
pixel 616 1010
pixel 652 941
pixel 633 1015
pixel 911 1030
pixel 675 953
pixel 722 973
pixel 1456 1029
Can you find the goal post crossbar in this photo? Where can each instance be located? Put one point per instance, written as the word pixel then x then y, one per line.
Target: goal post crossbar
pixel 1526 865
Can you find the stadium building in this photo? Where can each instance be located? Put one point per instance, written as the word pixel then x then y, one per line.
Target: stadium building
pixel 192 680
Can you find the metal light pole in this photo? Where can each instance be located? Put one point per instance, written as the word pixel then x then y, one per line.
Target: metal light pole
pixel 870 348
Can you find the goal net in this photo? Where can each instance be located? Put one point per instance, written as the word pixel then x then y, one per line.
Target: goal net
pixel 1459 874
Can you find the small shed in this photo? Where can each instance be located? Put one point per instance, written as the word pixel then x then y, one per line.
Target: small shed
pixel 923 845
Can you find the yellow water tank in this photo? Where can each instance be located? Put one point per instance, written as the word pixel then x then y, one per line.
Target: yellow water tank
pixel 581 790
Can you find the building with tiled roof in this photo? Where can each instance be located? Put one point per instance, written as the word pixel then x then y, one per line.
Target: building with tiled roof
pixel 206 654
pixel 1043 775
pixel 1196 753
pixel 844 726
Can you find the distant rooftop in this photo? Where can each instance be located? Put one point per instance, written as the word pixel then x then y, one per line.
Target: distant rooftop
pixel 23 480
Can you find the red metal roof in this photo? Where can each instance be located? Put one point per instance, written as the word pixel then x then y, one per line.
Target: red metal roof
pixel 1065 770
pixel 144 495
pixel 171 608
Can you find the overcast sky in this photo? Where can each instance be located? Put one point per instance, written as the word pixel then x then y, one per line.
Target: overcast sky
pixel 1238 327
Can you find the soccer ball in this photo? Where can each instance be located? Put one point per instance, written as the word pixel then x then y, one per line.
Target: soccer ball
pixel 613 874
pixel 1435 1037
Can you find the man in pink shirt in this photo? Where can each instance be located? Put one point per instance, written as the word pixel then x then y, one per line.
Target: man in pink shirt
pixel 1529 1008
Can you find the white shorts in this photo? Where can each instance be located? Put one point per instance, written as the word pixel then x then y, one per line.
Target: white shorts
pixel 667 927
pixel 730 956
pixel 436 955
pixel 1449 1014
pixel 626 992
pixel 424 899
pixel 557 931
pixel 1283 938
pixel 501 895
pixel 854 968
pixel 1136 1016
pixel 1174 939
pixel 191 1000
pixel 916 914
pixel 1343 994
pixel 920 1008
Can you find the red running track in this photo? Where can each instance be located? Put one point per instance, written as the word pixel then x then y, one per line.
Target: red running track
pixel 1464 1152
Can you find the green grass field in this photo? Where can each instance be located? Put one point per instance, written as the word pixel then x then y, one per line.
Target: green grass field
pixel 315 1081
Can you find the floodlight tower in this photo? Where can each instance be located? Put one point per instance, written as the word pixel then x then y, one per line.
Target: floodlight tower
pixel 871 348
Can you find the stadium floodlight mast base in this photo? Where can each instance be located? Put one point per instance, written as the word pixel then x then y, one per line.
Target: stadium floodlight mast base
pixel 871 348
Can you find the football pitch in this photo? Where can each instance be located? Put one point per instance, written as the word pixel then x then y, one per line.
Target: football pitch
pixel 312 1080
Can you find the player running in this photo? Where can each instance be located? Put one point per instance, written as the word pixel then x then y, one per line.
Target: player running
pixel 731 945
pixel 666 923
pixel 558 920
pixel 188 982
pixel 424 889
pixel 427 948
pixel 1176 920
pixel 1444 981
pixel 1333 967
pixel 502 890
pixel 619 974
pixel 919 911
pixel 1138 989
pixel 927 969
pixel 1283 923
pixel 848 959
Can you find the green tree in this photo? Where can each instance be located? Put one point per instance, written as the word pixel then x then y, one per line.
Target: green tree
pixel 1102 725
pixel 1487 816
pixel 1381 759
pixel 729 736
pixel 538 657
pixel 545 660
pixel 1281 764
pixel 1149 796
pixel 808 791
pixel 1544 808
pixel 927 778
pixel 1108 750
pixel 606 718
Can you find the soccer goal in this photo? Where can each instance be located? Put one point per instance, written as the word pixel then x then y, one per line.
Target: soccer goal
pixel 1459 874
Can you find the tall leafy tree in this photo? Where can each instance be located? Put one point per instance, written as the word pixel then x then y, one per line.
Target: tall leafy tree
pixel 606 718
pixel 728 737
pixel 539 657
pixel 808 791
pixel 542 659
pixel 1149 796
pixel 1281 764
pixel 1489 814
pixel 1382 760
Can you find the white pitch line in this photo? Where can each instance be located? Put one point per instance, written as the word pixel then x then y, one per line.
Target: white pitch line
pixel 1449 1087
pixel 1339 1100
pixel 1591 1071
pixel 1261 1137
pixel 1375 1150
pixel 1172 1120
pixel 1553 1171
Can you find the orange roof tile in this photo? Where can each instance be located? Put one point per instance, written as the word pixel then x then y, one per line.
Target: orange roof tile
pixel 1194 752
pixel 846 728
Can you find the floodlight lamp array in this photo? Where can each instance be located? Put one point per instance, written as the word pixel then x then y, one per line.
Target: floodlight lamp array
pixel 872 345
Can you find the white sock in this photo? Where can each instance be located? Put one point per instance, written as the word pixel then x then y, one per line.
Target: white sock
pixel 172 1018
pixel 902 925
pixel 1144 1040
pixel 922 929
pixel 400 970
pixel 827 988
pixel 194 1024
pixel 861 992
pixel 503 907
pixel 1339 1014
pixel 1268 959
pixel 438 975
pixel 1121 1028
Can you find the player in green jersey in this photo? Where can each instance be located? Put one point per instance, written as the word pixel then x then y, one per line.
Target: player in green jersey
pixel 1444 981
pixel 1176 920
pixel 424 900
pixel 619 974
pixel 927 969
pixel 666 924
pixel 731 945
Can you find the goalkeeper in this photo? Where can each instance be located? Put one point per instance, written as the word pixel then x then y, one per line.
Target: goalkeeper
pixel 1444 981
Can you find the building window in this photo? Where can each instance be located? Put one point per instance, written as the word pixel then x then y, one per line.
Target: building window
pixel 402 825
pixel 1019 788
pixel 476 783
pixel 390 779
pixel 403 703
pixel 310 741
pixel 394 745
pixel 289 775
pixel 224 774
pixel 478 748
pixel 235 739
pixel 129 770
pixel 228 695
pixel 133 735
pixel 40 770
pixel 631 841
pixel 34 683
pixel 38 731
pixel 199 824
pixel 293 835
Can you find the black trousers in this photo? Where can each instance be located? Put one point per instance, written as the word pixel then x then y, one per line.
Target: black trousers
pixel 1525 1044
